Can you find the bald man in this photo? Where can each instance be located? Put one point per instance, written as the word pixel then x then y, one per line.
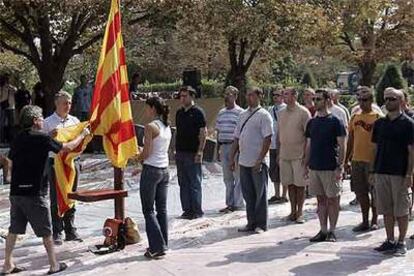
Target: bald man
pixel 393 137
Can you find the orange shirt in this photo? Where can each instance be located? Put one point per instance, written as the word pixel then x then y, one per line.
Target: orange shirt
pixel 361 126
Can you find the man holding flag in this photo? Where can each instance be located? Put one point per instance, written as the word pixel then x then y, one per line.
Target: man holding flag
pixel 61 119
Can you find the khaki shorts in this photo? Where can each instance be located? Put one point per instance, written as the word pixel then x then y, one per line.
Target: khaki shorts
pixel 291 172
pixel 392 195
pixel 324 183
pixel 360 177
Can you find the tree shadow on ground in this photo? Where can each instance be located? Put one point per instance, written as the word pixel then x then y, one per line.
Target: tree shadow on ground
pixel 350 260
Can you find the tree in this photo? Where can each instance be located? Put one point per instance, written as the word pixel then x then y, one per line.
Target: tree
pixel 369 32
pixel 308 79
pixel 50 33
pixel 392 77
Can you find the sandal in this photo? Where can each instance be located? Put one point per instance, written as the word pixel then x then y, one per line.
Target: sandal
pixel 62 266
pixel 14 270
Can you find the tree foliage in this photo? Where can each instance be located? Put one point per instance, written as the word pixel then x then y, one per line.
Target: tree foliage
pixel 392 77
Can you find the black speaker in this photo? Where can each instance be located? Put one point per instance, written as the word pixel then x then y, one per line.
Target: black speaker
pixel 192 77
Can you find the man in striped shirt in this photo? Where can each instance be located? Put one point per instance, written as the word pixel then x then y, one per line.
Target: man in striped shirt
pixel 225 125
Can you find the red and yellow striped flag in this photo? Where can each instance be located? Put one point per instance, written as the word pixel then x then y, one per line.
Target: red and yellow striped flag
pixel 111 109
pixel 65 167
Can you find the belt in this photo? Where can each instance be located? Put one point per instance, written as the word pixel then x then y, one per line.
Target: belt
pixel 225 143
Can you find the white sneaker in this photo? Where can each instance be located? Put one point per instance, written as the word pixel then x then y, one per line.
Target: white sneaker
pixel 258 230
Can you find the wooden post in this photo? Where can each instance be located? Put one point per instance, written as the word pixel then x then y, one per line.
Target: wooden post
pixel 119 201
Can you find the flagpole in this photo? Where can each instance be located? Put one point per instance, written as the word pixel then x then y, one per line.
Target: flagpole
pixel 119 201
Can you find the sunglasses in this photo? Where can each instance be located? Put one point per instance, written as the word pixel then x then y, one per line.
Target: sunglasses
pixel 390 99
pixel 363 99
pixel 317 99
pixel 277 95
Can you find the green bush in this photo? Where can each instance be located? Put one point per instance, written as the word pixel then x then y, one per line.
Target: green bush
pixel 392 77
pixel 159 87
pixel 212 88
pixel 348 101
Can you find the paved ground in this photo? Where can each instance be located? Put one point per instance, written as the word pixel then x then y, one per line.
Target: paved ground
pixel 212 245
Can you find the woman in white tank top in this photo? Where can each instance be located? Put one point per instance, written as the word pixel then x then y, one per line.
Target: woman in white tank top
pixel 155 177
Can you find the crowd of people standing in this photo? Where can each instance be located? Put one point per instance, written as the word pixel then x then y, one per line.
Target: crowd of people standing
pixel 302 148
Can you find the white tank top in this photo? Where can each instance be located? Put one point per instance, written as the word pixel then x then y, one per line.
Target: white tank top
pixel 159 154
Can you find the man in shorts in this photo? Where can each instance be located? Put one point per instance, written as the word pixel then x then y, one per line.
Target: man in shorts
pixel 274 170
pixel 361 150
pixel 325 155
pixel 291 142
pixel 29 186
pixel 393 136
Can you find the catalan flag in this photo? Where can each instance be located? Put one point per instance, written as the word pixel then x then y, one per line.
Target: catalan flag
pixel 65 166
pixel 111 109
pixel 111 113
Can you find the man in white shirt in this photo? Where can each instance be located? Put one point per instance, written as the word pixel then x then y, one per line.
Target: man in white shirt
pixel 252 139
pixel 274 170
pixel 60 119
pixel 226 123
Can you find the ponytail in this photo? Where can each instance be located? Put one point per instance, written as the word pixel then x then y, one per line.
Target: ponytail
pixel 162 109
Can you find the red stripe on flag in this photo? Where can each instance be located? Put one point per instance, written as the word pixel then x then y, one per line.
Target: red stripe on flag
pixel 113 31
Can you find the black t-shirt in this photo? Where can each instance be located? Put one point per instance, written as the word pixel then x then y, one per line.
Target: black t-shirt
pixel 392 139
pixel 323 132
pixel 29 154
pixel 188 128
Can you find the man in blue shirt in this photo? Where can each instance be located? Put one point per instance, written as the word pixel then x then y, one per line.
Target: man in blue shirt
pixel 324 157
pixel 82 99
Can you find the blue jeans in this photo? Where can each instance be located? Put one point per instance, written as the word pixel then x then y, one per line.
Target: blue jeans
pixel 189 179
pixel 234 197
pixel 153 189
pixel 254 188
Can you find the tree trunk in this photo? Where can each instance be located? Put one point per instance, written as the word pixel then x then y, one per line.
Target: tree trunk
pixel 51 77
pixel 237 78
pixel 367 68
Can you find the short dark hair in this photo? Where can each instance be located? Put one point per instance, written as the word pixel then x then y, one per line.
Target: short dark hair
pixel 258 91
pixel 189 89
pixel 325 93
pixel 28 114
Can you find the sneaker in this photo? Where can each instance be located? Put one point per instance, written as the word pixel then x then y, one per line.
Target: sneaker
pixel 374 227
pixel 234 208
pixel 274 200
pixel 331 237
pixel 386 247
pixel 73 237
pixel 155 255
pixel 283 200
pixel 259 230
pixel 400 249
pixel 300 220
pixel 361 228
pixel 58 239
pixel 245 229
pixel 320 237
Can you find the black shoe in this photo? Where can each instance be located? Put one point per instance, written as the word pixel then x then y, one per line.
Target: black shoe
pixel 186 215
pixel 386 247
pixel 320 237
pixel 331 237
pixel 274 200
pixel 155 255
pixel 361 228
pixel 196 216
pixel 226 210
pixel 73 237
pixel 400 249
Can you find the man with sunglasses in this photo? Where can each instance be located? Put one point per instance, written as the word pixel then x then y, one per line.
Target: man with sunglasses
pixel 325 155
pixel 274 170
pixel 361 150
pixel 393 136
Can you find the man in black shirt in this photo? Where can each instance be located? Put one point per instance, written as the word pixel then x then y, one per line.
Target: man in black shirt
pixel 393 168
pixel 28 190
pixel 189 145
